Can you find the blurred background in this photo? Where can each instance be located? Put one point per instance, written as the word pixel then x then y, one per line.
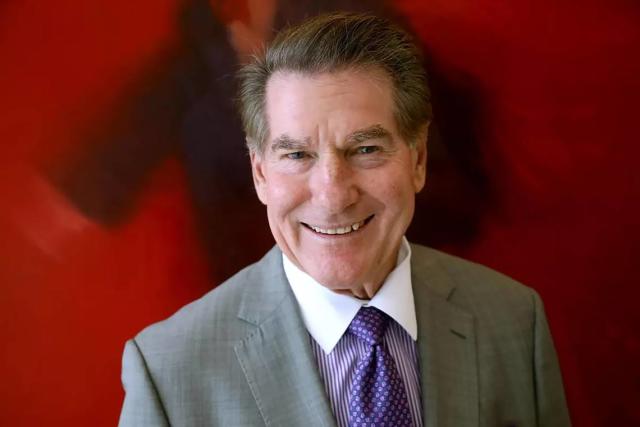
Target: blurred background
pixel 125 189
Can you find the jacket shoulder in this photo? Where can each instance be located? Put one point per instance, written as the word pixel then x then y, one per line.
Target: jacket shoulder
pixel 475 288
pixel 468 274
pixel 212 317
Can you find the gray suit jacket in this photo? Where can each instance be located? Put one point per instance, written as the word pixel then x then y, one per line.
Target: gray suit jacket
pixel 241 356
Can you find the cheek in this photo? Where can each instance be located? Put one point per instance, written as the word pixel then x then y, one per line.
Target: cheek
pixel 398 197
pixel 285 194
pixel 392 187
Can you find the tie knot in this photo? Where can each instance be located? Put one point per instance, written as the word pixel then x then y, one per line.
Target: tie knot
pixel 369 325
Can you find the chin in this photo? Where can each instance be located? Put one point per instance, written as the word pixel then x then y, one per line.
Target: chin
pixel 337 280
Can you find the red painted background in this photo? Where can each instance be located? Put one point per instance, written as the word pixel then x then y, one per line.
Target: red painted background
pixel 555 90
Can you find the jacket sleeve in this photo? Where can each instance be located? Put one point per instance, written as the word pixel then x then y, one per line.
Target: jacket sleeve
pixel 551 406
pixel 142 405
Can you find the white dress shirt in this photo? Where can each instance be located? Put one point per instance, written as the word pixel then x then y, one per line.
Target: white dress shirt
pixel 327 314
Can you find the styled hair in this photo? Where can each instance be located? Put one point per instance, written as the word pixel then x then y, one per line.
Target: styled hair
pixel 336 42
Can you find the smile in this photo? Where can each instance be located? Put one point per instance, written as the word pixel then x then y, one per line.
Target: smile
pixel 340 230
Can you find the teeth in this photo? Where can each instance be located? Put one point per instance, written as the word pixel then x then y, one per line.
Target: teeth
pixel 339 230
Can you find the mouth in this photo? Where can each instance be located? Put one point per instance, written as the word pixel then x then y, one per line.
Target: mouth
pixel 339 231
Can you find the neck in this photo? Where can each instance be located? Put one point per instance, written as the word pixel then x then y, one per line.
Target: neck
pixel 369 288
pixel 361 292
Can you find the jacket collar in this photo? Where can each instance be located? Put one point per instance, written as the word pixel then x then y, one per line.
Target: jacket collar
pixel 279 367
pixel 446 343
pixel 276 356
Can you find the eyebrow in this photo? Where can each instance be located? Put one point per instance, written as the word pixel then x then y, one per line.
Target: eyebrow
pixel 371 132
pixel 285 142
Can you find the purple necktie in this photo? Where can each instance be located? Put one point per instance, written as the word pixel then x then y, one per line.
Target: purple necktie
pixel 377 396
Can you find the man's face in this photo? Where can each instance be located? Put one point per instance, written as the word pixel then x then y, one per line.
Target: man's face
pixel 338 180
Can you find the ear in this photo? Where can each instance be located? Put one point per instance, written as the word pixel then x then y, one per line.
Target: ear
pixel 259 179
pixel 419 157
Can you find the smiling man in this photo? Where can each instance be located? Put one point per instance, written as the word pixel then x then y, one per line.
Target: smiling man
pixel 344 322
pixel 338 178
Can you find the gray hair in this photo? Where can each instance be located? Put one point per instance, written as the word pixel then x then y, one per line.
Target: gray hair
pixel 336 42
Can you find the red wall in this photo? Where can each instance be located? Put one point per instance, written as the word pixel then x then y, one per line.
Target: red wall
pixel 556 90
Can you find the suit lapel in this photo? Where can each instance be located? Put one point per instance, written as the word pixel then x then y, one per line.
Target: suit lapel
pixel 447 346
pixel 281 372
pixel 276 356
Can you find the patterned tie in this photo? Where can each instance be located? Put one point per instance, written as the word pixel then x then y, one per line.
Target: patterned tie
pixel 378 397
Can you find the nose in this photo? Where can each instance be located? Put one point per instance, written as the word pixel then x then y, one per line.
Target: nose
pixel 333 184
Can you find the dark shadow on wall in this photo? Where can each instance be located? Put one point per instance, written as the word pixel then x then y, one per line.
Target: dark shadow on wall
pixel 457 193
pixel 183 106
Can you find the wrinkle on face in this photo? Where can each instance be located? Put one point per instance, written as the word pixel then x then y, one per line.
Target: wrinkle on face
pixel 337 158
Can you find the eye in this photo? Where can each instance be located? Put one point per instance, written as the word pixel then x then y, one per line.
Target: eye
pixel 296 155
pixel 367 149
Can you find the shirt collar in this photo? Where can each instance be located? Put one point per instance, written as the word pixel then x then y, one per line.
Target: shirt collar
pixel 327 314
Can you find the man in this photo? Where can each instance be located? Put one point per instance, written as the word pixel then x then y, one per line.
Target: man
pixel 344 322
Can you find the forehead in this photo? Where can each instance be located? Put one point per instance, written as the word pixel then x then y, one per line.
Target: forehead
pixel 308 105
